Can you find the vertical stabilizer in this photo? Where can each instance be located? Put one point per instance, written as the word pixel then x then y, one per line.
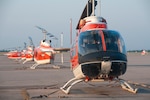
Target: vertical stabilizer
pixel 88 10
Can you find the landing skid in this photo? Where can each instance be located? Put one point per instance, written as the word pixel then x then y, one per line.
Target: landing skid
pixel 126 86
pixel 66 88
pixel 36 64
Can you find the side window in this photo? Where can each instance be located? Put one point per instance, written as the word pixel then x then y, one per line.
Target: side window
pixel 114 41
pixel 121 45
pixel 73 51
pixel 111 41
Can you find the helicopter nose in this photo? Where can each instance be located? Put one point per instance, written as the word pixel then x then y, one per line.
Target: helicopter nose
pixel 106 58
pixel 91 70
pixel 105 67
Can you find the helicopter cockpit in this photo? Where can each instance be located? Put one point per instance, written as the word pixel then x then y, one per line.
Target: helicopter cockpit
pixel 96 40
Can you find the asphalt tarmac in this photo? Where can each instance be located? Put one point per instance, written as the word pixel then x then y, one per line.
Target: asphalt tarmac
pixel 19 82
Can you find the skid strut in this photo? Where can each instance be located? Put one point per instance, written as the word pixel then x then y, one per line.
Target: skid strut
pixel 126 86
pixel 66 88
pixel 34 65
pixel 25 61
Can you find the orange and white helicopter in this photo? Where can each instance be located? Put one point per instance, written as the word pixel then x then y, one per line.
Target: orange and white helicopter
pixel 44 54
pixel 29 52
pixel 97 53
pixel 22 58
pixel 14 54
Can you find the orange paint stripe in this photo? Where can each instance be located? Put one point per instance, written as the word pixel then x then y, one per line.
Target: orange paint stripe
pixel 103 40
pixel 93 26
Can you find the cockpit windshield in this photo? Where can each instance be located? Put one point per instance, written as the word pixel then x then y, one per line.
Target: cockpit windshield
pixel 96 40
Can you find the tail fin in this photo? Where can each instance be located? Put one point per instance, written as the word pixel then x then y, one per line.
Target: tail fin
pixel 87 10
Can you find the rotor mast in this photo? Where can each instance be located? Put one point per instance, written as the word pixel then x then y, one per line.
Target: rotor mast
pixel 93 8
pixel 44 35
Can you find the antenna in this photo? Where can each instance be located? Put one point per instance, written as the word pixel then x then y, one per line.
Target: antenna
pixel 99 9
pixel 71 31
pixel 93 7
pixel 87 9
pixel 61 37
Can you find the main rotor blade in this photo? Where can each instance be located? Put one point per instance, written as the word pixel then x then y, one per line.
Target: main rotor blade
pixel 52 36
pixel 42 29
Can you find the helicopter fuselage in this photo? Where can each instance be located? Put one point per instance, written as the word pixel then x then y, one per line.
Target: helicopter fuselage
pixel 43 54
pixel 98 52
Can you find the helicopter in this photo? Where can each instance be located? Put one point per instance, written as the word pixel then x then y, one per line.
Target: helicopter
pixel 29 51
pixel 97 52
pixel 14 54
pixel 44 53
pixel 23 52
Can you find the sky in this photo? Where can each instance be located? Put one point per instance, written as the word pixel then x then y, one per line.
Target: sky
pixel 18 19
